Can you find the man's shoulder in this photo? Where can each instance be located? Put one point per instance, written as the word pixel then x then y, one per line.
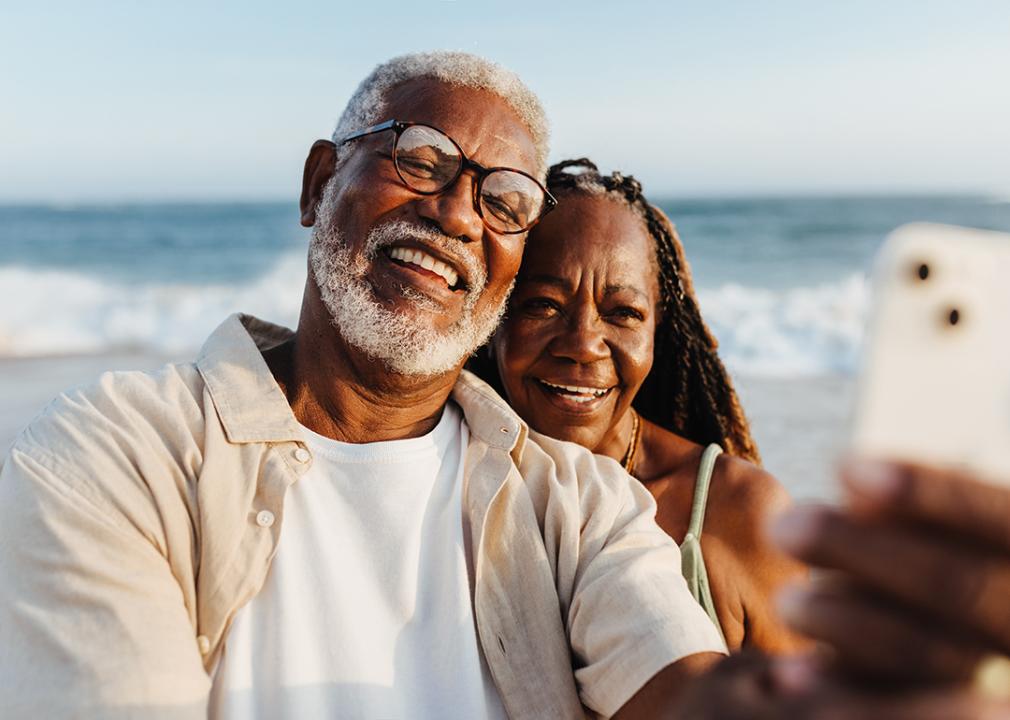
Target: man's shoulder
pixel 568 459
pixel 123 411
pixel 569 468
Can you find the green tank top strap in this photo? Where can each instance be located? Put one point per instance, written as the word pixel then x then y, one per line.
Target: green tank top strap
pixel 691 559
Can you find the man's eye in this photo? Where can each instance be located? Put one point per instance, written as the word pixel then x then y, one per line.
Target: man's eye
pixel 500 209
pixel 418 167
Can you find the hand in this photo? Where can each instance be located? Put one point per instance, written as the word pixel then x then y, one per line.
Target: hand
pixel 924 588
pixel 750 686
pixel 742 687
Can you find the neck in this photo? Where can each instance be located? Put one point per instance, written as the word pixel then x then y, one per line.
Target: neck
pixel 616 441
pixel 338 392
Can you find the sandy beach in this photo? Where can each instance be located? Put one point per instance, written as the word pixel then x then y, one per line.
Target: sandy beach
pixel 799 423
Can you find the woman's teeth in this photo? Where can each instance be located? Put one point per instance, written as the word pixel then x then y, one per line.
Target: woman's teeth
pixel 577 393
pixel 426 261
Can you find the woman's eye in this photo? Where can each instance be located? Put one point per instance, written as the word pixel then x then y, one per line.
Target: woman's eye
pixel 628 314
pixel 539 307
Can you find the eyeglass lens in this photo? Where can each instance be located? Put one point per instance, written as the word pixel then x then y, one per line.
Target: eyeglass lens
pixel 428 161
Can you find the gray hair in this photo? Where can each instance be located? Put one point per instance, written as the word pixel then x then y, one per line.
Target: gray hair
pixel 368 102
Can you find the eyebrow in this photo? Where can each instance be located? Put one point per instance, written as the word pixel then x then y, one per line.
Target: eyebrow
pixel 563 284
pixel 546 280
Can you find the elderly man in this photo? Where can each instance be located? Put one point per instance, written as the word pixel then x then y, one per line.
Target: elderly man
pixel 337 522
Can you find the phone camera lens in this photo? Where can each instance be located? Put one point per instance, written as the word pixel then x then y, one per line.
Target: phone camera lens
pixel 923 271
pixel 954 316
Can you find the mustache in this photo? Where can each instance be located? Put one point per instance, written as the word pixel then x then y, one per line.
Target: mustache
pixel 394 231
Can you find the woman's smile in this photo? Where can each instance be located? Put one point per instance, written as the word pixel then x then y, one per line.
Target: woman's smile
pixel 573 398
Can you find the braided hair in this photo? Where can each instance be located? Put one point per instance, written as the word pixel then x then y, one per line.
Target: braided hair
pixel 688 390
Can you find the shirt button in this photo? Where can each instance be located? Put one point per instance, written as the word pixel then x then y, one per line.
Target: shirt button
pixel 203 643
pixel 302 455
pixel 264 518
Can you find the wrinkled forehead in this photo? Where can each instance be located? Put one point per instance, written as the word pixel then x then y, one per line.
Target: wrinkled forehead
pixel 482 123
pixel 598 233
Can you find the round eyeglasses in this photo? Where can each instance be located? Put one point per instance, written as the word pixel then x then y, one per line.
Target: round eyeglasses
pixel 428 161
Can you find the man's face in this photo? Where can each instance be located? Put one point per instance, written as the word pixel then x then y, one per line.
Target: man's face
pixel 374 236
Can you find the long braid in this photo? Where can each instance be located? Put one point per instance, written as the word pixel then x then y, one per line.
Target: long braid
pixel 688 390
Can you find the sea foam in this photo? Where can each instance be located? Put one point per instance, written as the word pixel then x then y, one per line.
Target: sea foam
pixel 792 331
pixel 784 332
pixel 49 312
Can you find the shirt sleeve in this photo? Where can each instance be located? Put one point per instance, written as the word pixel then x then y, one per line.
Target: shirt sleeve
pixel 631 613
pixel 92 621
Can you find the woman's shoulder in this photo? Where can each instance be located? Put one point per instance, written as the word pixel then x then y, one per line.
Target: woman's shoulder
pixel 744 495
pixel 741 495
pixel 743 567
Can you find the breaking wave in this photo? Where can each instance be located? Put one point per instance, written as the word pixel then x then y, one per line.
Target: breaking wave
pixel 781 332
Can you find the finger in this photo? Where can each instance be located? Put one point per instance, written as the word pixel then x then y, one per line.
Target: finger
pixel 964 588
pixel 926 705
pixel 871 639
pixel 949 499
pixel 797 674
pixel 738 688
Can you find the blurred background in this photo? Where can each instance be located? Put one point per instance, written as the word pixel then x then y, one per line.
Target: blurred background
pixel 151 155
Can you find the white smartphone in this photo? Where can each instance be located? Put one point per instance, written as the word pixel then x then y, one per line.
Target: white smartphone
pixel 935 382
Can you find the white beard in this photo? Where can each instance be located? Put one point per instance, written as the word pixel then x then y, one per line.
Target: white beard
pixel 407 344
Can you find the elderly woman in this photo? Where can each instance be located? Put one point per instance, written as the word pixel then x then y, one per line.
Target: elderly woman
pixel 604 345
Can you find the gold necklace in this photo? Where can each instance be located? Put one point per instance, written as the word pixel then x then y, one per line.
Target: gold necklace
pixel 636 432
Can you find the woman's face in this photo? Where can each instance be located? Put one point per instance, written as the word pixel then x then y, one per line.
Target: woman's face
pixel 577 342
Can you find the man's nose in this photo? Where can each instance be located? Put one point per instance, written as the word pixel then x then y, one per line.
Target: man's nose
pixel 453 210
pixel 582 339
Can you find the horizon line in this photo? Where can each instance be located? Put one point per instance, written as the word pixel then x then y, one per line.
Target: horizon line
pixel 896 193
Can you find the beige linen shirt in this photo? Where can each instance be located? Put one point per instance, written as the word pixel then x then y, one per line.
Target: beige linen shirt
pixel 139 514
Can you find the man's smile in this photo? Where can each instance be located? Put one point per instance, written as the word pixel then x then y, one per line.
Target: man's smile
pixel 424 262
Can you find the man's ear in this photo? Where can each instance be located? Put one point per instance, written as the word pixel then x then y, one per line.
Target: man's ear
pixel 318 170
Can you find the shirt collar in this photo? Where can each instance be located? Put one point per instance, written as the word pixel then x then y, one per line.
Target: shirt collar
pixel 249 401
pixel 489 417
pixel 252 407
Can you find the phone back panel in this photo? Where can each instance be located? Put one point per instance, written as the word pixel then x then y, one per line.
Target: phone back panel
pixel 935 383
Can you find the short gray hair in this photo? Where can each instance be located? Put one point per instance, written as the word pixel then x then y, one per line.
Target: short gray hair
pixel 368 102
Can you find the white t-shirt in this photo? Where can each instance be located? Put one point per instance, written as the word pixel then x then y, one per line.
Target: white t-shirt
pixel 366 610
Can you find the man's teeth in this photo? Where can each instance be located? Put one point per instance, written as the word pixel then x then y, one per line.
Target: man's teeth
pixel 577 392
pixel 416 257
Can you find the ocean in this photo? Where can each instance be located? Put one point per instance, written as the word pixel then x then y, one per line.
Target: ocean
pixel 782 281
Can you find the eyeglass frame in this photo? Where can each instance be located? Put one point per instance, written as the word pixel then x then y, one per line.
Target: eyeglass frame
pixel 399 126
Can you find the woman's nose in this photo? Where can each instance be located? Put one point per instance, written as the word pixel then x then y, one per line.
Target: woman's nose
pixel 582 339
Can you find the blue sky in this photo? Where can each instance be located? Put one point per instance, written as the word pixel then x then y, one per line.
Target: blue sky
pixel 183 100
